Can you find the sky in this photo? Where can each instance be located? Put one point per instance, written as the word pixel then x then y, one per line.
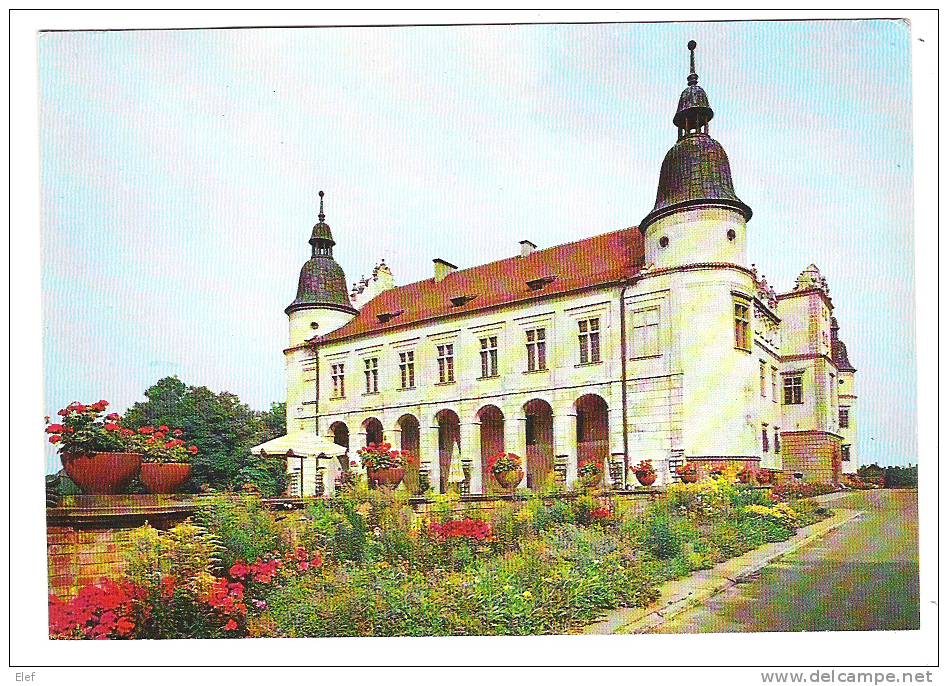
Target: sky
pixel 180 172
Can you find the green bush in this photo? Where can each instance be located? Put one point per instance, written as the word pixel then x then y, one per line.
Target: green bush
pixel 242 526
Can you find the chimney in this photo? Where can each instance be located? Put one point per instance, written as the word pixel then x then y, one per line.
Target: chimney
pixel 527 248
pixel 442 269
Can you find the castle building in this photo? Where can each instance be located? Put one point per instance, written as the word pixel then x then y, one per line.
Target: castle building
pixel 657 342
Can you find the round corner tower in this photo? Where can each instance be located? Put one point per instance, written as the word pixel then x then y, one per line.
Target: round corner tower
pixel 696 253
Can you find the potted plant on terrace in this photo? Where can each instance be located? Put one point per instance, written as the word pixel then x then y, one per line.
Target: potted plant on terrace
pixel 645 472
pixel 688 472
pixel 590 473
pixel 507 470
pixel 385 466
pixel 166 457
pixel 94 451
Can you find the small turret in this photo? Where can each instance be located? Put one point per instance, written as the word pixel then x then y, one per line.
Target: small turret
pixel 322 299
pixel 697 216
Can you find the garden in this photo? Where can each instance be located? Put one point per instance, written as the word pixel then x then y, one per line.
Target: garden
pixel 365 563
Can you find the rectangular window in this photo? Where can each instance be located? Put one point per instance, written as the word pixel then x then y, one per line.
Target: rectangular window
pixel 372 375
pixel 793 389
pixel 446 363
pixel 832 390
pixel 536 350
pixel 742 326
pixel 589 341
pixel 645 332
pixel 338 374
pixel 776 440
pixel 406 365
pixel 845 449
pixel 844 418
pixel 763 380
pixel 488 356
pixel 773 384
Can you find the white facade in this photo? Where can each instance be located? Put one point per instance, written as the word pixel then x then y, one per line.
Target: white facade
pixel 696 357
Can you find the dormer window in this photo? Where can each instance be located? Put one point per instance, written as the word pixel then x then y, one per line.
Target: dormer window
pixel 461 300
pixel 541 282
pixel 388 316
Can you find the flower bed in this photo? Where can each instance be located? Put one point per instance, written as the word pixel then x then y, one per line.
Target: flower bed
pixel 364 564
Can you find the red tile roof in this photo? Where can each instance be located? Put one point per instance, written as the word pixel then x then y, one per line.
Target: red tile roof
pixel 604 259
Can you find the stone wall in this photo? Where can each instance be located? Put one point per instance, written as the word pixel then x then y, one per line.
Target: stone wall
pixel 815 454
pixel 77 557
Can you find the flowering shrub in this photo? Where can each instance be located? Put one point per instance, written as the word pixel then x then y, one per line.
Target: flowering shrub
pixel 854 481
pixel 378 456
pixel 503 463
pixel 781 514
pixel 84 430
pixel 709 499
pixel 160 444
pixel 792 490
pixel 473 530
pixel 590 469
pixel 105 610
pixel 717 470
pixel 745 475
pixel 601 514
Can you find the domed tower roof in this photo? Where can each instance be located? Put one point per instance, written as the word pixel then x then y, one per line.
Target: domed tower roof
pixel 839 353
pixel 322 281
pixel 696 171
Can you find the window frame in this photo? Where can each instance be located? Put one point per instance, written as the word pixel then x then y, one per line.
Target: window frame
pixel 536 349
pixel 445 362
pixel 406 368
pixel 793 392
pixel 371 371
pixel 844 413
pixel 490 358
pixel 337 373
pixel 590 340
pixel 650 344
pixel 742 324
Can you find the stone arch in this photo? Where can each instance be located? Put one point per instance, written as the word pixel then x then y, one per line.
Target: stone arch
pixel 539 440
pixel 373 431
pixel 340 436
pixel 492 442
pixel 410 442
pixel 592 430
pixel 449 438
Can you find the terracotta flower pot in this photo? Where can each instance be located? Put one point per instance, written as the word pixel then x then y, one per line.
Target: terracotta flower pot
pixel 388 477
pixel 102 473
pixel 165 478
pixel 646 478
pixel 688 477
pixel 509 480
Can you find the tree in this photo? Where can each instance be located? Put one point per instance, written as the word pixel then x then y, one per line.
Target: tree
pixel 223 428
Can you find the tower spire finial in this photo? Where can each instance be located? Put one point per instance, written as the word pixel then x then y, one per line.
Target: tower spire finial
pixel 693 76
pixel 322 215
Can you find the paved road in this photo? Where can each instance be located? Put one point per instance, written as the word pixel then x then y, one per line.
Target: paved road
pixel 860 577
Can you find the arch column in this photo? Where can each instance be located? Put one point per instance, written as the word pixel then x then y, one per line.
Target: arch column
pixel 616 444
pixel 515 441
pixel 471 451
pixel 429 454
pixel 564 444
